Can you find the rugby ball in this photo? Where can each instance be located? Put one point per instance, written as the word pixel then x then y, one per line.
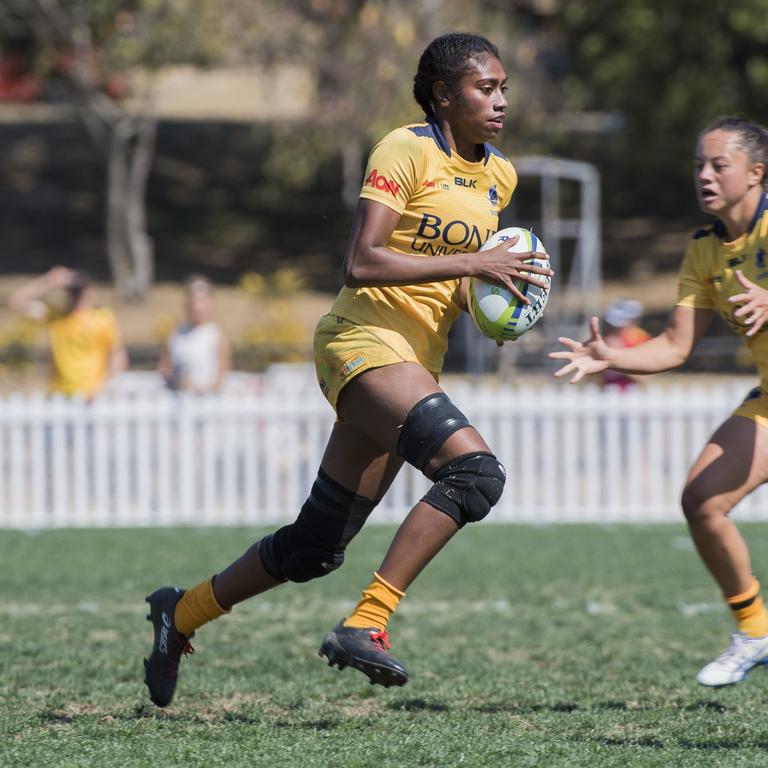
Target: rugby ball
pixel 497 312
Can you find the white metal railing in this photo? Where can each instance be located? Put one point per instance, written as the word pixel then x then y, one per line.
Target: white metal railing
pixel 572 454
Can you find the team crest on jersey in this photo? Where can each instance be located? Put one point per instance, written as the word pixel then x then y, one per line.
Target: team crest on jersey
pixel 760 259
pixel 493 195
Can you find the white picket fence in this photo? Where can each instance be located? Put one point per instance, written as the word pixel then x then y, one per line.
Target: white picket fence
pixel 572 454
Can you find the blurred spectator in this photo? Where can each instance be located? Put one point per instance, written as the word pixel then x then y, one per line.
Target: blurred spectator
pixel 18 83
pixel 197 355
pixel 621 330
pixel 85 345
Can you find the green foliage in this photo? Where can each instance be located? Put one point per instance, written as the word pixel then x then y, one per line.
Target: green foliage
pixel 661 69
pixel 668 68
pixel 558 646
pixel 279 335
pixel 126 34
pixel 363 55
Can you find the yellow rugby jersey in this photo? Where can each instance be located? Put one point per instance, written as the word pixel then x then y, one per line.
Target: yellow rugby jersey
pixel 707 278
pixel 81 347
pixel 447 205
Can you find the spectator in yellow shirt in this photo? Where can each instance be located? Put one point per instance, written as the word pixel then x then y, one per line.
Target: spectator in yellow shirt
pixel 85 345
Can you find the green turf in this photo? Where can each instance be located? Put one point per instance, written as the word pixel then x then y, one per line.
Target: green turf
pixel 552 646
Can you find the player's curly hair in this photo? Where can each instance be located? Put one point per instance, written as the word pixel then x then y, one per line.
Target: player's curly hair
pixel 753 138
pixel 445 58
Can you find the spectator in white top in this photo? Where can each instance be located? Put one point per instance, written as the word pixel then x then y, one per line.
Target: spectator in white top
pixel 197 357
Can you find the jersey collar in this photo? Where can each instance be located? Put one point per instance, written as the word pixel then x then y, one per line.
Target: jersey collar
pixel 719 228
pixel 442 142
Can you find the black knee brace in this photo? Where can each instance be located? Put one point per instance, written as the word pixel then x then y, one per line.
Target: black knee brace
pixel 467 487
pixel 427 426
pixel 314 544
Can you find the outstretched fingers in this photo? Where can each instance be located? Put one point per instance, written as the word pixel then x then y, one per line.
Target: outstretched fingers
pixel 582 358
pixel 754 304
pixel 743 281
pixel 756 324
pixel 574 368
pixel 575 350
pixel 572 344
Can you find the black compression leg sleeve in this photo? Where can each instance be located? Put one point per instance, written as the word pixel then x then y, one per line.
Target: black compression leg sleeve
pixel 314 544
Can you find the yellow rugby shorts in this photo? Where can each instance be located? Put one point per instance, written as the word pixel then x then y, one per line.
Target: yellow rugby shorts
pixel 755 407
pixel 344 349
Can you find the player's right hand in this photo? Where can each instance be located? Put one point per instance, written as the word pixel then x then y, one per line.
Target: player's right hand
pixel 583 358
pixel 499 266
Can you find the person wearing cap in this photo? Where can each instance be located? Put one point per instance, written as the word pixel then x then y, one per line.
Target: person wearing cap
pixel 85 345
pixel 622 332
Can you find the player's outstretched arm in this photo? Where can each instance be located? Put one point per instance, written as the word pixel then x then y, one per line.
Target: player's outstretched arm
pixel 671 348
pixel 27 299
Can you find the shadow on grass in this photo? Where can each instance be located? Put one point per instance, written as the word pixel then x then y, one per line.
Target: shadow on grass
pixel 313 725
pixel 719 745
pixel 608 706
pixel 417 705
pixel 632 742
pixel 51 716
pixel 143 711
pixel 521 709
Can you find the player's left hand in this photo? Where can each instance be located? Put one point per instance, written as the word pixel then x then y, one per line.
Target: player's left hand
pixel 583 358
pixel 754 304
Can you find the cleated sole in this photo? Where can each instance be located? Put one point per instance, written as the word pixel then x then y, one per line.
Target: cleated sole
pixel 376 674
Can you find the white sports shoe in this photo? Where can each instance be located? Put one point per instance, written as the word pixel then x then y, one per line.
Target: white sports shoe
pixel 732 666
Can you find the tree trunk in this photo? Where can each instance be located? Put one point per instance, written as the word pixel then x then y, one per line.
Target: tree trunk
pixel 129 246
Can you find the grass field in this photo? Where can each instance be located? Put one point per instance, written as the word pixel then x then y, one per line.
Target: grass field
pixel 552 646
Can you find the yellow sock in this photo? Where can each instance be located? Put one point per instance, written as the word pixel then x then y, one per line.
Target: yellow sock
pixel 197 606
pixel 749 611
pixel 377 604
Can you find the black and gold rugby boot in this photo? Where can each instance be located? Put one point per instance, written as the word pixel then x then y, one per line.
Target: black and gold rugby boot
pixel 161 669
pixel 366 650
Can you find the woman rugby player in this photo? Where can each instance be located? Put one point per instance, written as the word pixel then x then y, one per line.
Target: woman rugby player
pixel 431 196
pixel 724 270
